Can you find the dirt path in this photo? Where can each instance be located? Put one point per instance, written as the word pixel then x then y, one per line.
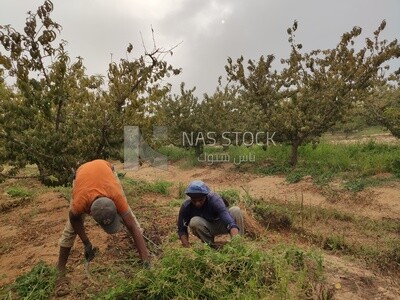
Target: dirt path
pixel 30 231
pixel 377 202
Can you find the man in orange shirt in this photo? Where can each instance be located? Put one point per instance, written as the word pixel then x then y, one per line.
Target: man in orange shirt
pixel 97 192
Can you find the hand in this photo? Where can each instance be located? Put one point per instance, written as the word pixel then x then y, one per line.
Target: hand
pixel 90 251
pixel 185 241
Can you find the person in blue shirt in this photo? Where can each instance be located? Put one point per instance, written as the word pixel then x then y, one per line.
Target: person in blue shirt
pixel 207 216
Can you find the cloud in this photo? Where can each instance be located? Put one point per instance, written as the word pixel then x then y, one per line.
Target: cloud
pixel 147 10
pixel 207 20
pixel 97 28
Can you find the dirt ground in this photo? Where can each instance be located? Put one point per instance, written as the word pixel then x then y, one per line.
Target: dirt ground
pixel 30 229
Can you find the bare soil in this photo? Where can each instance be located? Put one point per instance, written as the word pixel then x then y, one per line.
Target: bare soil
pixel 30 228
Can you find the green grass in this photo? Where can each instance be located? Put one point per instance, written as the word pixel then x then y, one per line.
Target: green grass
pixel 175 203
pixel 358 184
pixel 323 162
pixel 37 284
pixel 364 132
pixel 19 192
pixel 232 196
pixel 160 187
pixel 135 187
pixel 328 161
pixel 175 153
pixel 237 271
pixel 181 191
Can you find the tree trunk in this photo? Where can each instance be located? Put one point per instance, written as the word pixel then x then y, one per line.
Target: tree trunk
pixel 294 154
pixel 199 149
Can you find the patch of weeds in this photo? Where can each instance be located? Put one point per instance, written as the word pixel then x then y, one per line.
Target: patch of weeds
pixel 140 187
pixel 295 257
pixel 299 259
pixel 308 267
pixel 175 153
pixel 189 163
pixel 135 187
pixel 274 169
pixel 65 191
pixel 273 216
pixel 323 178
pixel 359 184
pixel 386 259
pixel 181 190
pixel 395 167
pixel 295 176
pixel 231 196
pixel 334 243
pixel 38 284
pixel 332 195
pixel 382 226
pixel 320 213
pixel 175 203
pixel 18 192
pixel 320 174
pixel 6 291
pixel 236 271
pixel 341 216
pixel 247 199
pixel 160 187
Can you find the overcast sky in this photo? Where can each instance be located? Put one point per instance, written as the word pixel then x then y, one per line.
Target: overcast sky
pixel 207 31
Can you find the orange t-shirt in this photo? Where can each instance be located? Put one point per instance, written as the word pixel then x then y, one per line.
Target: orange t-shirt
pixel 96 179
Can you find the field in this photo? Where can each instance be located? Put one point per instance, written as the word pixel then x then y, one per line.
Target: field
pixel 355 232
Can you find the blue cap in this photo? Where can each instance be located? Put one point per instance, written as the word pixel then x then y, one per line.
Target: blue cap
pixel 197 188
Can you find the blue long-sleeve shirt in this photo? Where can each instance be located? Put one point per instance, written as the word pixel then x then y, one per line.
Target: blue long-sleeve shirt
pixel 213 209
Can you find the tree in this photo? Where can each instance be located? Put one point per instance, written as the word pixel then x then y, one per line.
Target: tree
pixel 383 107
pixel 181 115
pixel 230 117
pixel 214 119
pixel 313 90
pixel 135 90
pixel 57 116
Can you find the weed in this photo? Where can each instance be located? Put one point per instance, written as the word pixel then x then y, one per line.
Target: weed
pixel 359 184
pixel 274 169
pixel 236 271
pixel 273 216
pixel 139 187
pixel 66 192
pixel 334 243
pixel 175 153
pixel 323 163
pixel 135 187
pixel 38 283
pixel 231 196
pixel 181 190
pixel 18 192
pixel 395 167
pixel 175 203
pixel 295 176
pixel 160 187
